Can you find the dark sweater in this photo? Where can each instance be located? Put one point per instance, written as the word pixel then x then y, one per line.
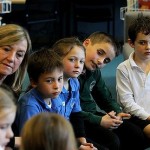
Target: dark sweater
pixel 94 92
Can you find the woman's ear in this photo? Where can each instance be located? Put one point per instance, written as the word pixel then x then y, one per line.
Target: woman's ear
pixel 130 43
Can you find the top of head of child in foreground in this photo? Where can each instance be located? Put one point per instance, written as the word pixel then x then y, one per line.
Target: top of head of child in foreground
pixel 101 49
pixel 7 115
pixel 48 131
pixel 15 45
pixel 45 70
pixel 72 52
pixel 141 24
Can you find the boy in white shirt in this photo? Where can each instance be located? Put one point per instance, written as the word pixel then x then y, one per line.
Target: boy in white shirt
pixel 133 75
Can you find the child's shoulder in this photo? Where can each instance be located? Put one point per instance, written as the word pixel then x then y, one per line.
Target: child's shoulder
pixel 27 98
pixel 74 82
pixel 123 65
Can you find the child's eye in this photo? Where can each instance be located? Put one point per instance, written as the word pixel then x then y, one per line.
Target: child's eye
pixel 72 59
pixel 49 81
pixel 106 60
pixel 82 61
pixel 4 127
pixel 142 42
pixel 100 52
pixel 60 79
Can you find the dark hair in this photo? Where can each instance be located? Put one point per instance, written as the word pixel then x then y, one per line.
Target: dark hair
pixel 42 61
pixel 140 24
pixel 98 37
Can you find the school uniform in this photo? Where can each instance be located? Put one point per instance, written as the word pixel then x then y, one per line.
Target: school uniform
pixel 93 93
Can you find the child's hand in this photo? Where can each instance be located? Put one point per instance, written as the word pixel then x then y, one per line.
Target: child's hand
pixel 111 121
pixel 87 146
pixel 124 116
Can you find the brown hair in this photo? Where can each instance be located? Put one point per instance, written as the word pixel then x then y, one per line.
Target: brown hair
pixel 48 131
pixel 41 61
pixel 98 37
pixel 63 46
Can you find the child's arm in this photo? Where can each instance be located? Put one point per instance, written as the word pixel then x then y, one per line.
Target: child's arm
pixel 128 93
pixel 84 145
pixel 15 142
pixel 25 114
pixel 78 124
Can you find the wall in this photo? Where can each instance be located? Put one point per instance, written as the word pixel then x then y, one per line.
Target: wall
pixel 87 28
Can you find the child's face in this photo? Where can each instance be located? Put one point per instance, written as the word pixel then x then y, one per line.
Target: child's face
pixel 141 47
pixel 73 62
pixel 50 84
pixel 7 117
pixel 11 57
pixel 98 55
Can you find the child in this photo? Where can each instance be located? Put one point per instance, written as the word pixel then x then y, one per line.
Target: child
pixel 72 53
pixel 7 115
pixel 45 71
pixel 106 128
pixel 49 131
pixel 133 76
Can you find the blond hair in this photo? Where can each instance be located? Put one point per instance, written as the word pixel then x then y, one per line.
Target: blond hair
pixel 9 35
pixel 7 99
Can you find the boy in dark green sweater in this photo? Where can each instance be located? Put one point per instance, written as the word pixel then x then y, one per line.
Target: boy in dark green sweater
pixel 107 128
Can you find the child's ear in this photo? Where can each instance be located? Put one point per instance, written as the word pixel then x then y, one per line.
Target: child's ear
pixel 33 83
pixel 86 42
pixel 130 43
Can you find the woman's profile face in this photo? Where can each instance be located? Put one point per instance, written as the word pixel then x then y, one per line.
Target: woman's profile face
pixel 11 56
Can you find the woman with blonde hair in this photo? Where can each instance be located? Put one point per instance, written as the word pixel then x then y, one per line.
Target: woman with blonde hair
pixel 15 45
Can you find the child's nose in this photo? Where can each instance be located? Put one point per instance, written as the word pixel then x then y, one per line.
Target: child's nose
pixel 148 45
pixel 10 133
pixel 100 61
pixel 77 64
pixel 56 84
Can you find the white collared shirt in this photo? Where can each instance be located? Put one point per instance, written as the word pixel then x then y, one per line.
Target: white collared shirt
pixel 133 89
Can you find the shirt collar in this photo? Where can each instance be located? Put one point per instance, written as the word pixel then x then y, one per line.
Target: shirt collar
pixel 131 60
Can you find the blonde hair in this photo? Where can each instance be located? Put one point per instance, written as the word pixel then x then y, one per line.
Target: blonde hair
pixel 48 131
pixel 9 35
pixel 7 99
